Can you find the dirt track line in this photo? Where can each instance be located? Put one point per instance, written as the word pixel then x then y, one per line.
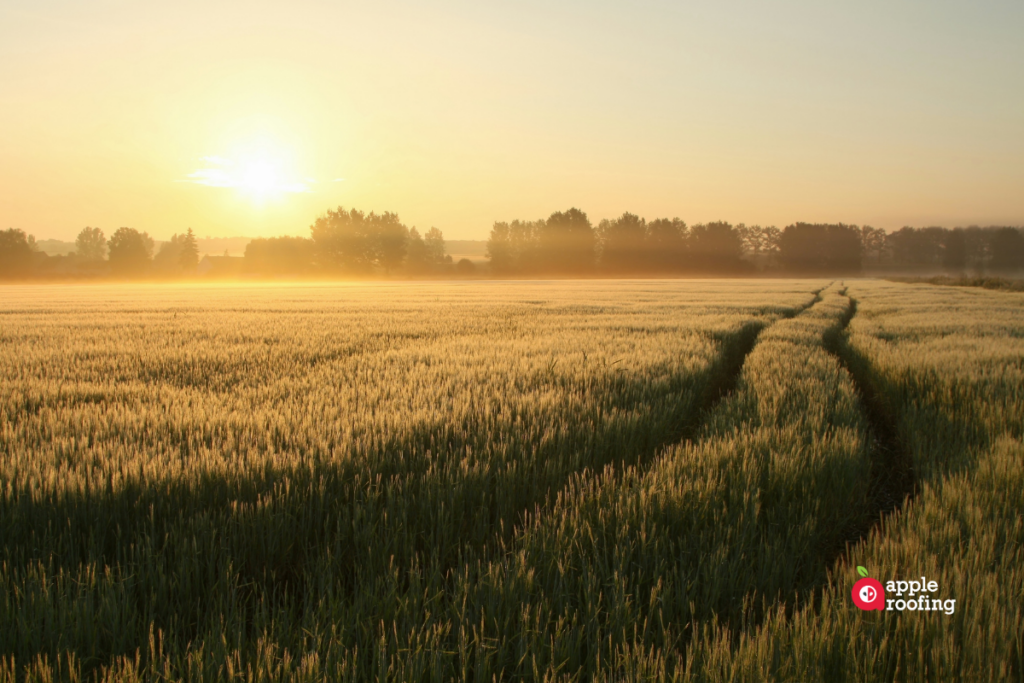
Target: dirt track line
pixel 892 474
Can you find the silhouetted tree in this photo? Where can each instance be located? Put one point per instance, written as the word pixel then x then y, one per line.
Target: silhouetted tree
pixel 954 255
pixel 512 247
pixel 872 244
pixel 178 256
pixel 978 253
pixel 1007 247
pixel 91 245
pixel 770 239
pixel 189 259
pixel 760 245
pixel 666 245
pixel 566 243
pixel 821 248
pixel 715 248
pixel 17 252
pixel 917 247
pixel 279 256
pixel 416 253
pixel 433 241
pixel 343 241
pixel 130 251
pixel 426 254
pixel 354 243
pixel 624 244
pixel 390 239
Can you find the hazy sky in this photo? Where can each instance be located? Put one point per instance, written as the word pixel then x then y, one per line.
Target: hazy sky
pixel 251 118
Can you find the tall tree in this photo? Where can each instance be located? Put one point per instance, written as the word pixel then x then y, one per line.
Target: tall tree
pixel 954 255
pixel 91 245
pixel 426 254
pixel 715 248
pixel 821 248
pixel 16 253
pixel 624 244
pixel 343 241
pixel 512 247
pixel 416 253
pixel 666 245
pixel 391 240
pixel 355 243
pixel 770 238
pixel 189 258
pixel 130 251
pixel 566 243
pixel 433 242
pixel 872 244
pixel 1007 246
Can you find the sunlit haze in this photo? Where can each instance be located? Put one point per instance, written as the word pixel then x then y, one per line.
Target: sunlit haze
pixel 253 118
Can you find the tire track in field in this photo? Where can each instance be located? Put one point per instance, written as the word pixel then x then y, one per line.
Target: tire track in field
pixel 892 480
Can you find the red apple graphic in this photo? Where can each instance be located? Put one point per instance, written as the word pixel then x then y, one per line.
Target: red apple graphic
pixel 868 593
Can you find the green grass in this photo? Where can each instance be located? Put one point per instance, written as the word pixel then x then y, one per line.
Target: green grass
pixel 573 480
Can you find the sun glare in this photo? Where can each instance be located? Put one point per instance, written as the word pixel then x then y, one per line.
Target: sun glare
pixel 259 173
pixel 259 179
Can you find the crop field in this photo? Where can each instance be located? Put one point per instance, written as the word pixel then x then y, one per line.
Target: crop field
pixel 572 480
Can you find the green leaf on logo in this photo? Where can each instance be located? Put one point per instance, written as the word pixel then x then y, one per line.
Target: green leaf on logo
pixel 862 571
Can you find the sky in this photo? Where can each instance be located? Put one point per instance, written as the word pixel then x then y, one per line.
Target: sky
pixel 253 118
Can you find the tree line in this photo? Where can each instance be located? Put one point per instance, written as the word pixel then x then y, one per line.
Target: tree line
pixel 567 243
pixel 127 253
pixel 350 243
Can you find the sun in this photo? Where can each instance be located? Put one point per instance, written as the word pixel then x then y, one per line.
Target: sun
pixel 260 179
pixel 258 172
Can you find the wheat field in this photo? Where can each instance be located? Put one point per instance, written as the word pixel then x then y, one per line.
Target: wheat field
pixel 573 480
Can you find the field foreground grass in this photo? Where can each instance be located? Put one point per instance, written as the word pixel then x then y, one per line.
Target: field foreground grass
pixel 566 481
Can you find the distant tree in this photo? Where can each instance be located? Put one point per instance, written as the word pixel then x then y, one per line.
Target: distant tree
pixel 279 257
pixel 130 251
pixel 759 244
pixel 465 267
pixel 178 256
pixel 189 259
pixel 355 243
pixel 917 247
pixel 821 248
pixel 17 253
pixel 715 248
pixel 666 245
pixel 1007 247
pixel 499 249
pixel 416 253
pixel 566 243
pixel 624 244
pixel 978 248
pixel 391 239
pixel 954 256
pixel 167 260
pixel 872 244
pixel 91 245
pixel 343 241
pixel 426 255
pixel 512 247
pixel 433 242
pixel 770 238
